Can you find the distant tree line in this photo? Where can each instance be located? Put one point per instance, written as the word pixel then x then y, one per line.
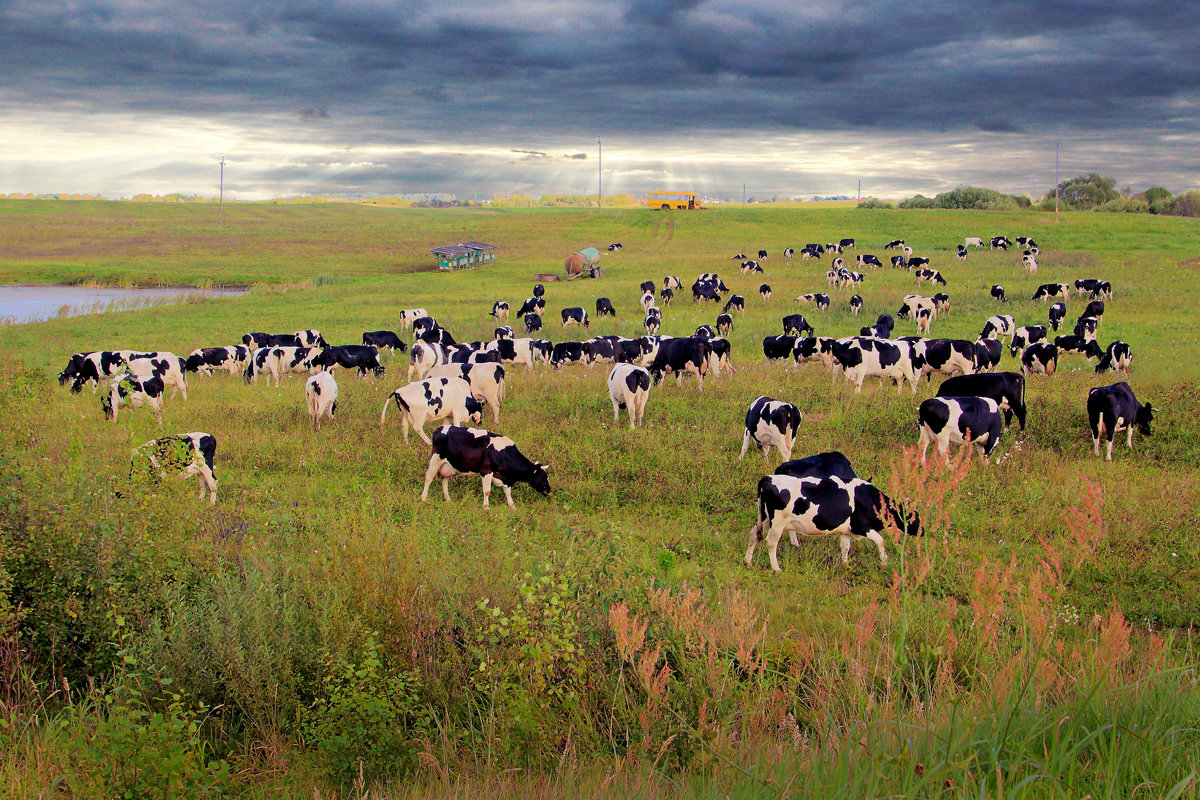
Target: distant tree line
pixel 1090 192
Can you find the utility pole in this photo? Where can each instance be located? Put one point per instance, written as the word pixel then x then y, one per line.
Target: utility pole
pixel 221 199
pixel 858 197
pixel 1057 145
pixel 600 174
pixel 743 194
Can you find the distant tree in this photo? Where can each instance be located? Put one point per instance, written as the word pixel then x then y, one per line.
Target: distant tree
pixel 1160 200
pixel 1087 191
pixel 1188 204
pixel 974 197
pixel 916 201
pixel 873 202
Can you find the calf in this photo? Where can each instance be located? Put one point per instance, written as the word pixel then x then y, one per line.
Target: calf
pixel 566 353
pixel 410 315
pixel 130 390
pixel 499 310
pixel 764 291
pixel 486 382
pixel 204 360
pixel 683 356
pixel 856 304
pixel 575 316
pixel 1118 356
pixel 771 423
pixel 947 356
pixel 604 307
pixel 629 388
pixel 362 357
pixel 998 293
pixel 735 303
pixel 1111 408
pixel 1048 291
pixel 1058 312
pixel 820 506
pixel 494 457
pixel 1006 388
pixel 433 399
pixel 962 420
pixel 797 324
pixel 187 454
pixel 1039 358
pixel 1024 336
pixel 382 339
pixel 320 396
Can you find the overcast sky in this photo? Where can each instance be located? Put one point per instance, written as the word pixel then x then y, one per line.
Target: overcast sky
pixel 791 98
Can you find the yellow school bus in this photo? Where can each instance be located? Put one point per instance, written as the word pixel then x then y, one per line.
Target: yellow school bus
pixel 672 200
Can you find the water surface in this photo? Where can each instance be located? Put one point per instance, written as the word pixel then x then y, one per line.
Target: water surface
pixel 36 302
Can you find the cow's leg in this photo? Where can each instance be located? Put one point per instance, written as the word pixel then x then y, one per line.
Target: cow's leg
pixel 773 538
pixel 508 495
pixel 487 489
pixel 420 429
pixel 753 545
pixel 435 464
pixel 844 546
pixel 617 409
pixel 1129 438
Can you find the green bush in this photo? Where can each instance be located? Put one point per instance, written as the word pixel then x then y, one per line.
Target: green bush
pixel 872 202
pixel 916 201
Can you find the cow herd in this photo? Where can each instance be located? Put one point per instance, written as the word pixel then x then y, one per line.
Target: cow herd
pixel 452 383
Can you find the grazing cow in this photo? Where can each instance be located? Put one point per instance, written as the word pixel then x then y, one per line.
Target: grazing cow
pixel 941 302
pixel 667 295
pixel 718 357
pixel 947 356
pixel 723 324
pixel 1006 388
pixel 1103 290
pixel 740 257
pixel 433 399
pixel 683 356
pixel 998 293
pixel 1085 327
pixel 424 357
pixel 778 347
pixel 704 291
pixel 533 323
pixel 771 423
pixel 1024 336
pixel 604 307
pixel 860 357
pixel 764 291
pixel 648 287
pixel 534 305
pixel 961 420
pixel 815 247
pixel 410 315
pixel 647 299
pixel 539 291
pixel 520 351
pixel 987 354
pixel 908 251
pixel 973 241
pixel 762 254
pixel 1094 308
pixel 1111 408
pixel 92 367
pixel 186 454
pixel 705 332
pixel 486 382
pixel 856 304
pixel 651 324
pixel 382 339
pixel 1058 312
pixel 1049 291
pixel 566 353
pixel 362 357
pixel 614 247
pixel 436 335
pixel 819 298
pixel 867 259
pixel 575 316
pixel 894 244
pixel 1086 286
pixel 834 247
pixel 1000 326
pixel 1118 356
pixel 320 396
pixel 751 266
pixel 423 325
pixel 819 506
pixel 838 263
pixel 629 388
pixel 884 323
pixel 130 390
pixel 168 367
pixel 504 332
pixel 898 262
pixel 499 310
pixel 1078 345
pixel 672 282
pixel 918 262
pixel 1030 264
pixel 962 252
pixel 846 243
pixel 277 361
pixel 735 303
pixel 912 303
pixel 808 252
pixel 789 253
pixel 924 320
pixel 797 324
pixel 600 348
pixel 204 360
pixel 627 351
pixel 832 464
pixel 931 275
pixel 1001 243
pixel 493 457
pixel 257 339
pixel 1039 358
pixel 812 348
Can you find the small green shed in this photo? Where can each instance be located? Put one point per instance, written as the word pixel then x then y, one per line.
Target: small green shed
pixel 464 255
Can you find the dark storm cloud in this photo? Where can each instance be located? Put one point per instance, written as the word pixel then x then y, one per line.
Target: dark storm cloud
pixel 553 73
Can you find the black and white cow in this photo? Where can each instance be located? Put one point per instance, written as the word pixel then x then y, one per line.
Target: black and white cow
pixel 362 357
pixel 566 353
pixel 499 310
pixel 1111 408
pixel 1000 326
pixel 667 295
pixel 504 332
pixel 846 243
pixel 1050 291
pixel 762 254
pixel 310 338
pixel 998 293
pixel 822 465
pixel 494 457
pixel 424 357
pixel 899 262
pixel 257 339
pixel 735 303
pixel 204 360
pixel 520 351
pixel 534 305
pixel 167 367
pixel 751 266
pixel 651 324
pixel 1117 356
pixel 672 282
pixel 704 291
pixel 918 262
pixel 789 253
pixel 629 388
pixel 433 399
pixel 1073 344
pixel 184 454
pixel 924 320
pixel 604 307
pixel 600 348
pixel 1058 312
pixel 1039 358
pixel 739 257
pixel 575 316
pixel 771 423
pixel 947 356
pixel 539 290
pixel 705 332
pixel 862 357
pixel 778 347
pixel 813 348
pixel 382 339
pixel 884 325
pixel 796 324
pixel 1025 336
pixel 820 299
pixel 913 303
pixel 867 259
pixel 628 351
pixel 961 420
pixel 894 244
pixel 819 506
pixel 720 350
pixel 1085 327
pixel 1086 286
pixel 723 324
pixel 856 304
pixel 987 354
pixel 275 362
pixel 92 368
pixel 320 397
pixel 1001 243
pixel 612 248
pixel 408 316
pixel 1030 263
pixel 533 323
pixel 764 291
pixel 486 382
pixel 683 356
pixel 1006 388
pixel 834 247
pixel 130 390
pixel 931 275
pixel 962 252
pixel 1094 308
pixel 437 335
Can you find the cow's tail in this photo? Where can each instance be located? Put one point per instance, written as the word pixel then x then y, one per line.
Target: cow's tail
pixel 248 375
pixel 400 404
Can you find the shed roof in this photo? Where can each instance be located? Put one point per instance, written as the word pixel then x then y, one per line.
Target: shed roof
pixel 452 250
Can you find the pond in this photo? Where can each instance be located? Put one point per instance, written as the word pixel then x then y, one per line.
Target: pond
pixel 21 303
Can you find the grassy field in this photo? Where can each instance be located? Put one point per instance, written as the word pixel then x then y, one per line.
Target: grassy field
pixel 324 632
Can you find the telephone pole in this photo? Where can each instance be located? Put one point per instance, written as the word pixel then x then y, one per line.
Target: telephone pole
pixel 221 198
pixel 600 174
pixel 1057 145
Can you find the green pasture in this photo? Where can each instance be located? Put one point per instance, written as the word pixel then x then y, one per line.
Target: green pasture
pixel 319 553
